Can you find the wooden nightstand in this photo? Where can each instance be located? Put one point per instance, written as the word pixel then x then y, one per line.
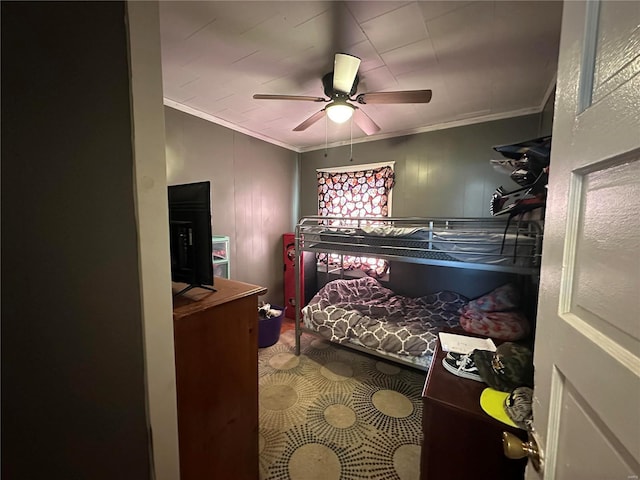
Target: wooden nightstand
pixel 460 440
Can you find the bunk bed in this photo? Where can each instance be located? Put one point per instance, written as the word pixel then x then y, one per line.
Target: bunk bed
pixel 359 312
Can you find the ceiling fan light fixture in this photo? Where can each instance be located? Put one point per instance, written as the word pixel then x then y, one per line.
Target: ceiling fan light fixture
pixel 339 112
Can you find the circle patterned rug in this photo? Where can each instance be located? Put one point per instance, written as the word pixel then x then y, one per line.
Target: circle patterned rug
pixel 336 414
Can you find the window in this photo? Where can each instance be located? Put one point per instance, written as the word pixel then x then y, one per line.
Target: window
pixel 347 193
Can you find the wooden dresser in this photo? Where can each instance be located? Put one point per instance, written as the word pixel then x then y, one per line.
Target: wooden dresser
pixel 216 348
pixel 460 440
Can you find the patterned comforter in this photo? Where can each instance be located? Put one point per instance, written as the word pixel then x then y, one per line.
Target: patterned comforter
pixel 365 312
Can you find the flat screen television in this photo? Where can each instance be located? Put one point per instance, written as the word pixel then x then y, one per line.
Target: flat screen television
pixel 190 235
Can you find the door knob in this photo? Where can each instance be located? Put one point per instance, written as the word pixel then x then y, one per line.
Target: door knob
pixel 514 448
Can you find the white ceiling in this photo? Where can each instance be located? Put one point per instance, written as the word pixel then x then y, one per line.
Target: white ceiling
pixel 483 60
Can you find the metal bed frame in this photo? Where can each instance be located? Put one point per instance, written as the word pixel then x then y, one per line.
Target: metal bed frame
pixel 346 236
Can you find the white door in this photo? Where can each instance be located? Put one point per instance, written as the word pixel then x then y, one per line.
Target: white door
pixel 587 351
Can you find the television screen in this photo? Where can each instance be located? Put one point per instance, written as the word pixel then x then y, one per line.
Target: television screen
pixel 190 235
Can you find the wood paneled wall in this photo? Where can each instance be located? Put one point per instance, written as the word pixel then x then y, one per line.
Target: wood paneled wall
pixel 445 173
pixel 253 190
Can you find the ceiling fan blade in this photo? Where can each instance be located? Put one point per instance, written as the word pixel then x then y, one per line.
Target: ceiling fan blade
pixel 345 69
pixel 263 96
pixel 406 96
pixel 310 121
pixel 365 123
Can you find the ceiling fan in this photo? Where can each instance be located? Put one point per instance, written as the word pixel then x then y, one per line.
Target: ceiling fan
pixel 340 86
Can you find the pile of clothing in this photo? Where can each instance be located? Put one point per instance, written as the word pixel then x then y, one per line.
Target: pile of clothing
pixel 497 315
pixel 266 311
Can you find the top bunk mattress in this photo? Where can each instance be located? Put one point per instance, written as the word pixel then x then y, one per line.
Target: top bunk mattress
pixel 484 241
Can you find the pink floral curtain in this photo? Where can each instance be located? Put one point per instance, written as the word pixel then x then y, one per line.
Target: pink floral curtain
pixel 361 193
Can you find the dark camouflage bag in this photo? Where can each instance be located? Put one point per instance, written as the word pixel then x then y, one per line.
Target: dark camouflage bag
pixel 509 367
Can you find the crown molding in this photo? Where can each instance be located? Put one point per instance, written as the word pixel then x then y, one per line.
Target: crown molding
pixel 224 123
pixel 372 138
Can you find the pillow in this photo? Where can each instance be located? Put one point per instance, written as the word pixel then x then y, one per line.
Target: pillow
pixel 502 298
pixel 509 326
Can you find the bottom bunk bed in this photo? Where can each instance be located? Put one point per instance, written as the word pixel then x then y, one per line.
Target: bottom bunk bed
pixel 370 317
pixel 364 315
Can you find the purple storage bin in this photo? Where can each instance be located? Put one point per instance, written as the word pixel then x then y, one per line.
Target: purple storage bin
pixel 269 328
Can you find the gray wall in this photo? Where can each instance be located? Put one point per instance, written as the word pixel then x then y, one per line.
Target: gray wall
pixel 445 173
pixel 73 386
pixel 254 192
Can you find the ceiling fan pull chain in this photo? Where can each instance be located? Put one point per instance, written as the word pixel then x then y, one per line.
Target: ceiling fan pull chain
pixel 351 139
pixel 326 136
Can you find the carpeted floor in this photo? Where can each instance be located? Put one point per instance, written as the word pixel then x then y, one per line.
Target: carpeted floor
pixel 337 414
